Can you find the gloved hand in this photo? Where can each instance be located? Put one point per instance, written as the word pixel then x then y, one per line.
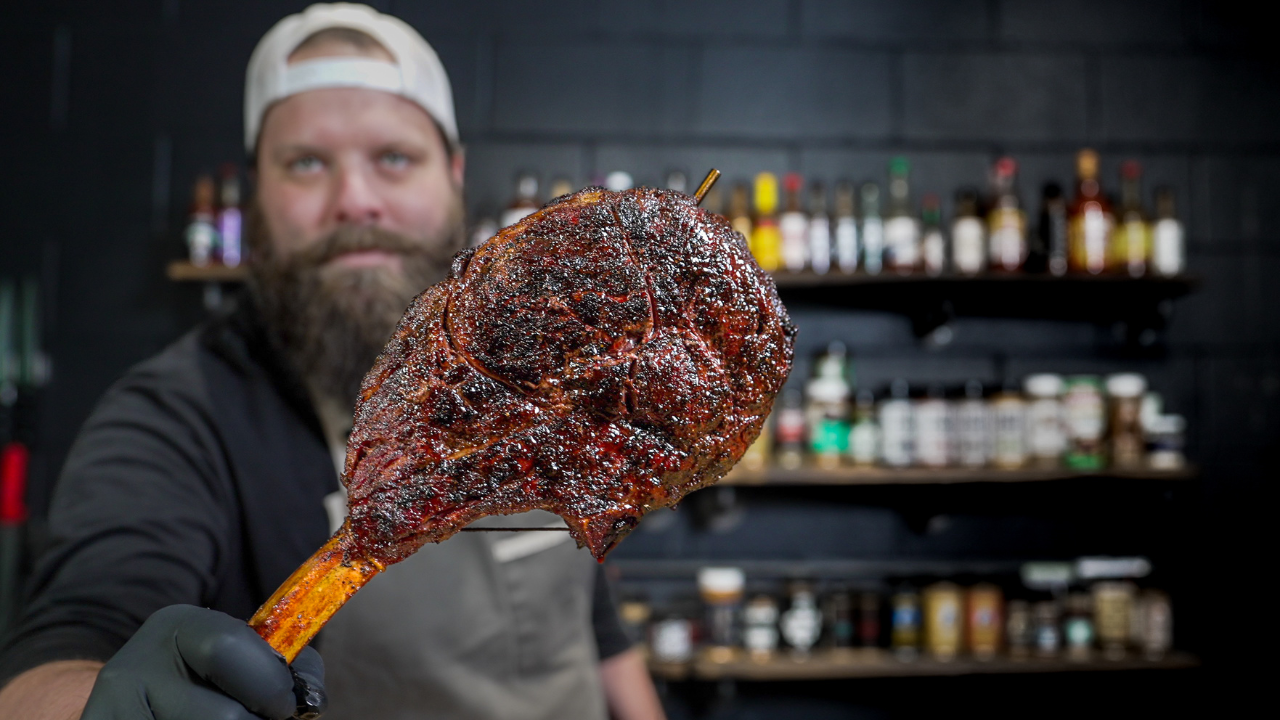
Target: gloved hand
pixel 189 663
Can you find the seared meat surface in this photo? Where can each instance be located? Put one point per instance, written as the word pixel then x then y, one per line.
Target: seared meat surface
pixel 602 358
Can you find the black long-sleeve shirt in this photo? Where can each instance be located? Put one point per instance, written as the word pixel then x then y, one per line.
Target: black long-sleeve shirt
pixel 199 478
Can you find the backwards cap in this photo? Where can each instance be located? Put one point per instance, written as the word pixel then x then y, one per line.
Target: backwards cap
pixel 417 74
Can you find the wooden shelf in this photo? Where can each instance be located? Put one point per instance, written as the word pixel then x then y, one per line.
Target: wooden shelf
pixel 184 271
pixel 932 301
pixel 878 663
pixel 809 475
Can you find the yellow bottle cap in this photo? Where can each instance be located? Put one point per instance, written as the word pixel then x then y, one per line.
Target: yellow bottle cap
pixel 766 193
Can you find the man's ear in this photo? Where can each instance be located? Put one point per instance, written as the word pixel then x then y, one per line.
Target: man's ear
pixel 458 166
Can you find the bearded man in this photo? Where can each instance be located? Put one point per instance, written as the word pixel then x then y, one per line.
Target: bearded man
pixel 207 473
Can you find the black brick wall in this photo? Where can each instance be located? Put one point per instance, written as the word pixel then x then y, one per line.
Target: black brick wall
pixel 110 109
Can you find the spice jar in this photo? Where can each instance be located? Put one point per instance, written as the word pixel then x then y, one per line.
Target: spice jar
pixel 721 590
pixel 905 633
pixel 760 628
pixel 1046 436
pixel 943 620
pixel 1124 391
pixel 1165 439
pixel 1113 606
pixel 1157 624
pixel 973 427
pixel 932 428
pixel 985 620
pixel 1082 408
pixel 1008 412
pixel 1020 629
pixel 897 428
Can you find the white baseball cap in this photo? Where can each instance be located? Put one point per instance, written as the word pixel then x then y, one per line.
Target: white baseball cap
pixel 416 75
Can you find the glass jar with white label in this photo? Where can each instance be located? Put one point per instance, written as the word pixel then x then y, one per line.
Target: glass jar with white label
pixel 1046 436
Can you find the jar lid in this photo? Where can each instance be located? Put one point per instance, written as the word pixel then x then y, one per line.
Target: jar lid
pixel 721 580
pixel 1043 385
pixel 1126 385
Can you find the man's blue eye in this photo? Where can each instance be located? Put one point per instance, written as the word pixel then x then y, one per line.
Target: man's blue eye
pixel 395 159
pixel 309 163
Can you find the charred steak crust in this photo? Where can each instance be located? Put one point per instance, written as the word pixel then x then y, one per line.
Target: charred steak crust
pixel 602 358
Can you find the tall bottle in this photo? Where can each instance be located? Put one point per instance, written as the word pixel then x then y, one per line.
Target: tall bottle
pixel 1052 229
pixel 1131 243
pixel 794 225
pixel 560 186
pixel 901 229
pixel 740 209
pixel 1007 222
pixel 1089 219
pixel 933 244
pixel 819 230
pixel 766 237
pixel 201 233
pixel 827 410
pixel 1168 251
pixel 846 229
pixel 524 202
pixel 789 429
pixel 968 235
pixel 230 222
pixel 872 230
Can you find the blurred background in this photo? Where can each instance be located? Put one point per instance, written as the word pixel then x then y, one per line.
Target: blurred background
pixel 1117 570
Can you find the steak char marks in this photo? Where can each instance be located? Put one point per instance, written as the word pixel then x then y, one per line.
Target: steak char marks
pixel 600 359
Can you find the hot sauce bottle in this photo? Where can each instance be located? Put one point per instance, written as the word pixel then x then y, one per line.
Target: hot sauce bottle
pixel 846 228
pixel 766 236
pixel 1006 221
pixel 968 235
pixel 1131 243
pixel 819 232
pixel 872 230
pixel 1090 221
pixel 901 228
pixel 933 244
pixel 794 226
pixel 740 209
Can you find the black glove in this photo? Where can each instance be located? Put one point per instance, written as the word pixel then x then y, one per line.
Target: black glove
pixel 189 663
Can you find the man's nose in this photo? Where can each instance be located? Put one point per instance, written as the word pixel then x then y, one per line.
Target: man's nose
pixel 357 202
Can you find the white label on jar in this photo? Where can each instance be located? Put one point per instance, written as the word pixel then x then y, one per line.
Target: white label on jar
pixel 933 430
pixel 1008 240
pixel 1082 408
pixel 896 432
pixel 934 248
pixel 820 244
pixel 966 245
pixel 973 433
pixel 901 242
pixel 1168 253
pixel 873 245
pixel 794 228
pixel 864 443
pixel 1046 437
pixel 1010 445
pixel 847 244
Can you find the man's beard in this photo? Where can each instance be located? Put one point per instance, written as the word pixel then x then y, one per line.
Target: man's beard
pixel 330 321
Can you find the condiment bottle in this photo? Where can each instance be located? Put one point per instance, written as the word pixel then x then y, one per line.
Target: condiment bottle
pixel 1007 222
pixel 932 428
pixel 819 230
pixel 1124 393
pixel 671 639
pixel 828 408
pixel 1112 607
pixel 1046 436
pixel 760 628
pixel 794 226
pixel 1078 627
pixel 201 234
pixel 872 230
pixel 1083 410
pixel 973 427
pixel 230 222
pixel 868 619
pixel 766 237
pixel 864 436
pixel 1131 242
pixel 740 209
pixel 846 229
pixel 837 612
pixel 525 201
pixel 1157 620
pixel 618 181
pixel 905 631
pixel 901 229
pixel 897 428
pixel 1165 439
pixel 943 620
pixel 1090 221
pixel 1168 246
pixel 985 620
pixel 1052 230
pixel 721 589
pixel 1019 629
pixel 560 186
pixel 801 624
pixel 789 430
pixel 677 181
pixel 1048 636
pixel 933 244
pixel 1008 413
pixel 968 235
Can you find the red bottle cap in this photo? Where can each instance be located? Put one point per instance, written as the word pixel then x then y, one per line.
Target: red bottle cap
pixel 1130 169
pixel 13 483
pixel 793 182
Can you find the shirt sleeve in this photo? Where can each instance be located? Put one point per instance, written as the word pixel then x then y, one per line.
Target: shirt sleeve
pixel 141 516
pixel 611 637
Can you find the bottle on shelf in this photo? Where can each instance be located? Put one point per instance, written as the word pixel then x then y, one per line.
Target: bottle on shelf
pixel 872 230
pixel 740 209
pixel 524 202
pixel 721 589
pixel 846 228
pixel 984 626
pixel 1157 624
pixel 793 225
pixel 1046 436
pixel 897 426
pixel 560 186
pixel 1085 419
pixel 1168 246
pixel 1006 220
pixel 1048 634
pixel 827 396
pixel 1112 608
pixel 933 244
pixel 819 231
pixel 968 235
pixel 973 427
pixel 760 452
pixel 1131 242
pixel 868 619
pixel 713 202
pixel 760 628
pixel 766 237
pixel 904 635
pixel 789 429
pixel 230 221
pixel 618 180
pixel 943 620
pixel 933 428
pixel 801 624
pixel 1051 231
pixel 201 234
pixel 1124 422
pixel 1078 627
pixel 1019 629
pixel 1090 221
pixel 901 228
pixel 837 619
pixel 1008 416
pixel 677 181
pixel 864 435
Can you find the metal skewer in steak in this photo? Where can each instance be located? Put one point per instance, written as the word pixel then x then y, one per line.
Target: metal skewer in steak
pixel 602 358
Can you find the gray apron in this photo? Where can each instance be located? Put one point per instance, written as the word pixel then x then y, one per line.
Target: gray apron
pixel 484 626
